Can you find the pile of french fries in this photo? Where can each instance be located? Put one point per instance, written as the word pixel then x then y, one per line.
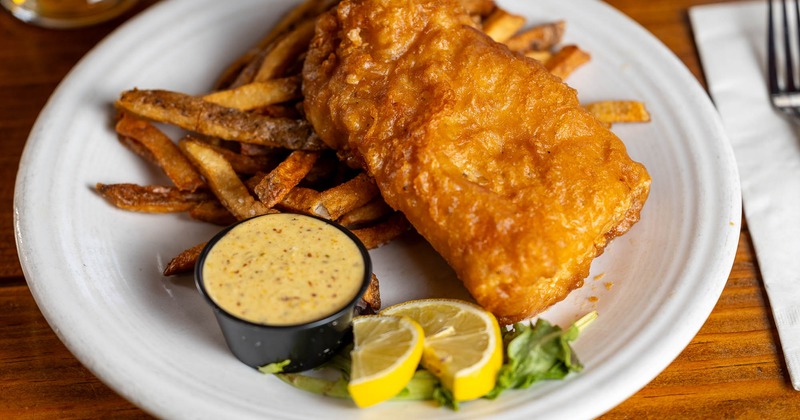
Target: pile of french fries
pixel 250 151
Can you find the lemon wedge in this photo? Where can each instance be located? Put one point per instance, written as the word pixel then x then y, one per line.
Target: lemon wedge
pixel 385 355
pixel 463 346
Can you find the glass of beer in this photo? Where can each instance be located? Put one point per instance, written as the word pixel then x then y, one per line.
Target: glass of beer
pixel 66 13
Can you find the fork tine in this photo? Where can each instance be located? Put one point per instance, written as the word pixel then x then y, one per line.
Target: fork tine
pixel 787 49
pixel 784 88
pixel 797 33
pixel 795 109
pixel 772 69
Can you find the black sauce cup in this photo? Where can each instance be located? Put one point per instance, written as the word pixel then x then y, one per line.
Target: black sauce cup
pixel 306 345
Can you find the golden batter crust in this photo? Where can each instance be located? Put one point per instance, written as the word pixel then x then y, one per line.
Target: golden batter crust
pixel 490 157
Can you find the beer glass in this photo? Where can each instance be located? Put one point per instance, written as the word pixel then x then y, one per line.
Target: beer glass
pixel 66 13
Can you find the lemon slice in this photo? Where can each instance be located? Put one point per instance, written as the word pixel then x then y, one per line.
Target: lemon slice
pixel 463 346
pixel 385 356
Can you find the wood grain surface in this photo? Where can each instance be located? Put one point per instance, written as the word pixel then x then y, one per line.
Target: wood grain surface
pixel 733 368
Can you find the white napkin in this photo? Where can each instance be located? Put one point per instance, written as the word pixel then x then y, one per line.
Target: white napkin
pixel 731 39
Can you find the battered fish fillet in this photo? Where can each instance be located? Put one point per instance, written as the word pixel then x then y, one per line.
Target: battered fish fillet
pixel 490 157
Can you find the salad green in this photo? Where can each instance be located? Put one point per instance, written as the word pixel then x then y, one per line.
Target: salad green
pixel 532 352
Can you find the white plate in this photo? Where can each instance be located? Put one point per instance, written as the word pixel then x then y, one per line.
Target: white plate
pixel 95 270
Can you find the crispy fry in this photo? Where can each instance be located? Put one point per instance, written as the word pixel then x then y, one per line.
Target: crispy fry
pixel 212 211
pixel 286 51
pixel 336 201
pixel 251 182
pixel 302 12
pixel 141 135
pixel 223 181
pixel 138 148
pixel 370 303
pixel 249 149
pixel 480 8
pixel 248 72
pixel 566 60
pixel 540 56
pixel 150 198
pixel 274 187
pixel 257 94
pixel 229 76
pixel 502 25
pixel 383 232
pixel 538 38
pixel 241 164
pixel 619 111
pixel 184 262
pixel 195 114
pixel 373 294
pixel 250 61
pixel 299 200
pixel 368 213
pixel 280 111
pixel 327 172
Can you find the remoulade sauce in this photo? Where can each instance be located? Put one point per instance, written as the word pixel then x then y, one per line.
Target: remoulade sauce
pixel 283 269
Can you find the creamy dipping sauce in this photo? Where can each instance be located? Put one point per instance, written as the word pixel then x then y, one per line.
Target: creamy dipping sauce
pixel 283 269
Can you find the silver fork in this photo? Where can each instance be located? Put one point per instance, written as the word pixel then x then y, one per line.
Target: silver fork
pixel 784 88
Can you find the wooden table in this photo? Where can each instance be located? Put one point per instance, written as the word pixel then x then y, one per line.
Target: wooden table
pixel 732 368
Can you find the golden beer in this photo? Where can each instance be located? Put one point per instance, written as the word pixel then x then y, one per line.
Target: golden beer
pixel 66 13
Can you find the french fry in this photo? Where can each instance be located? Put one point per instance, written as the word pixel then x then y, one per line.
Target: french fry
pixel 250 61
pixel 540 56
pixel 276 57
pixel 383 232
pixel 480 8
pixel 248 72
pixel 299 200
pixel 241 164
pixel 501 25
pixel 257 94
pixel 619 111
pixel 334 202
pixel 150 198
pixel 138 148
pixel 228 78
pixel 567 60
pixel 211 211
pixel 303 11
pixel 366 214
pixel 280 111
pixel 327 172
pixel 184 262
pixel 371 300
pixel 223 181
pixel 249 149
pixel 286 51
pixel 538 38
pixel 273 188
pixel 195 114
pixel 251 182
pixel 160 149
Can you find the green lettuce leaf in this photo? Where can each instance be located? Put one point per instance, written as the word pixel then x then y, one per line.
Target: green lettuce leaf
pixel 274 367
pixel 536 352
pixel 533 352
pixel 336 388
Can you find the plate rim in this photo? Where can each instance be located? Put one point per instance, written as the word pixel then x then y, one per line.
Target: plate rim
pixel 39 287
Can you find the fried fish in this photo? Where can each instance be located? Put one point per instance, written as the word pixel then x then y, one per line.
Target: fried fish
pixel 489 156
